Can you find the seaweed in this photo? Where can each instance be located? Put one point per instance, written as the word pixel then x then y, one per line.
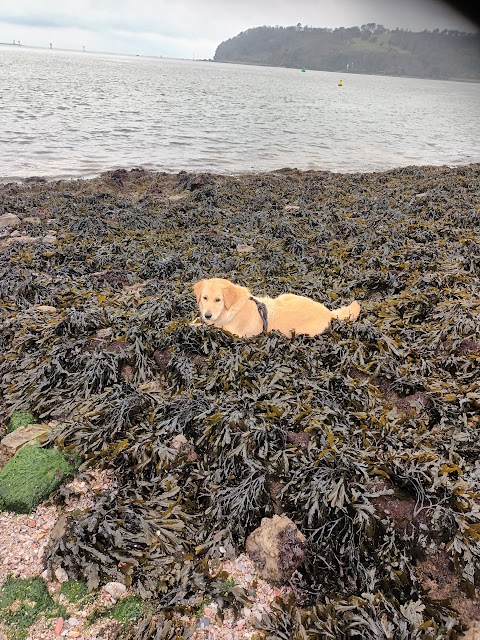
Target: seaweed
pixel 366 436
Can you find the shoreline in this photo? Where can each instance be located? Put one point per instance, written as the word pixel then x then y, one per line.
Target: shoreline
pixel 33 178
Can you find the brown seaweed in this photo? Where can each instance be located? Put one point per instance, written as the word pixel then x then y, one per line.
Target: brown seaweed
pixel 341 424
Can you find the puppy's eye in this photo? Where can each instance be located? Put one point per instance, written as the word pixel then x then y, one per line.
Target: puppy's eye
pixel 205 298
pixel 217 299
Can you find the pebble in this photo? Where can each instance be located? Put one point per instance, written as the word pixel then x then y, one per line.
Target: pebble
pixel 49 239
pixel 60 574
pixel 203 623
pixel 58 627
pixel 115 589
pixel 73 622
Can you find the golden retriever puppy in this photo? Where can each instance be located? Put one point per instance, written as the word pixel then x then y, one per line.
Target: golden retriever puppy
pixel 229 306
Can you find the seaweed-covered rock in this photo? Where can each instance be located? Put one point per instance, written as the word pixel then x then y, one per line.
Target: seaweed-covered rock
pixel 30 476
pixel 20 419
pixel 277 548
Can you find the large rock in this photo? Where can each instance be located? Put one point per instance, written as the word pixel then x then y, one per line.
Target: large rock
pixel 23 435
pixel 9 220
pixel 277 548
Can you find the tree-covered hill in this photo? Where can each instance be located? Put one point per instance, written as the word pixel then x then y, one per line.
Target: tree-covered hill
pixel 370 48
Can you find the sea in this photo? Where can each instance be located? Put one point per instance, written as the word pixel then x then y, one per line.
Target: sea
pixel 73 114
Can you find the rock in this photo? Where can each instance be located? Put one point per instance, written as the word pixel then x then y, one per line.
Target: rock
pixel 60 574
pixel 292 207
pixel 178 441
pixel 24 239
pixel 115 589
pixel 23 435
pixel 44 308
pixel 9 220
pixel 33 220
pixel 73 622
pixel 49 239
pixel 15 233
pixel 245 248
pixel 104 333
pixel 184 447
pixel 277 548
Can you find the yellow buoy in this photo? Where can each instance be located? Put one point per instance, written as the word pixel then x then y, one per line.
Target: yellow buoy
pixel 340 83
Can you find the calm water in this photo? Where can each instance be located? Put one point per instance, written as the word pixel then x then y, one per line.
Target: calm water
pixel 66 114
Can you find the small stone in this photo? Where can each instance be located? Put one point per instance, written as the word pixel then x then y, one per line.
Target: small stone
pixel 9 220
pixel 32 524
pixel 49 239
pixel 58 627
pixel 178 441
pixel 45 308
pixel 292 207
pixel 73 622
pixel 60 574
pixel 104 333
pixel 245 248
pixel 203 623
pixel 115 589
pixel 74 634
pixel 32 220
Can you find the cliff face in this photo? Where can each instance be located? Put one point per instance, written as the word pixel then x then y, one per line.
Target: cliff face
pixel 367 49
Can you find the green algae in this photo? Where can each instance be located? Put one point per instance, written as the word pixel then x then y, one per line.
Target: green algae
pixel 20 419
pixel 22 601
pixel 30 476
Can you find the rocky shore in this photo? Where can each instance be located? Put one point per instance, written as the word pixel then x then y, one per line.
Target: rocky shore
pixel 357 451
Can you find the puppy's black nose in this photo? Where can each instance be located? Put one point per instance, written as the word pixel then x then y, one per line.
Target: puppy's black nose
pixel 207 315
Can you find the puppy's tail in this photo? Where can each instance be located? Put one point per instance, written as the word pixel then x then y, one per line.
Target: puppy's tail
pixel 349 314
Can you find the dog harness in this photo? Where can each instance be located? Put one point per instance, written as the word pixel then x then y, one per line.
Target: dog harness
pixel 262 310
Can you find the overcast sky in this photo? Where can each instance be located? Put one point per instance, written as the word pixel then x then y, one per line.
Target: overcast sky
pixel 194 28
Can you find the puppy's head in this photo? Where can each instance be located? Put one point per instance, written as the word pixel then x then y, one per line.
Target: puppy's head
pixel 214 296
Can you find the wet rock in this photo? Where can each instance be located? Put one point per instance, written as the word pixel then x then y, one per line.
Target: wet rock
pixel 9 220
pixel 162 358
pixel 277 548
pixel 115 589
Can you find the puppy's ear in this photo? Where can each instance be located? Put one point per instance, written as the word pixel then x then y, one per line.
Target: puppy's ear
pixel 231 295
pixel 197 289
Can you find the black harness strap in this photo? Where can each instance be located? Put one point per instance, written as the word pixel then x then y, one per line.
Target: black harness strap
pixel 262 310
